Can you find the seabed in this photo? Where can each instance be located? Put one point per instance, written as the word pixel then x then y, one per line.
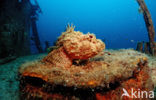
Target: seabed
pixel 9 83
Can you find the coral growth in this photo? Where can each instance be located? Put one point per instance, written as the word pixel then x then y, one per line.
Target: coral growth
pixel 95 72
pixel 141 82
pixel 106 74
pixel 152 65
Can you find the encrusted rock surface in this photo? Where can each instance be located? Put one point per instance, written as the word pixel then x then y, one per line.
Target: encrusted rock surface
pixel 105 76
pixel 98 71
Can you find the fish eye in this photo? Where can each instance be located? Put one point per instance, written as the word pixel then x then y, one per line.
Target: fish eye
pixel 91 36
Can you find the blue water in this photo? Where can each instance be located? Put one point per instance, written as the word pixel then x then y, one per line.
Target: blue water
pixel 117 22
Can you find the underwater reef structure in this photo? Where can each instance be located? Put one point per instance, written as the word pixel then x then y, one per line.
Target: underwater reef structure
pixel 15 24
pixel 150 27
pixel 79 69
